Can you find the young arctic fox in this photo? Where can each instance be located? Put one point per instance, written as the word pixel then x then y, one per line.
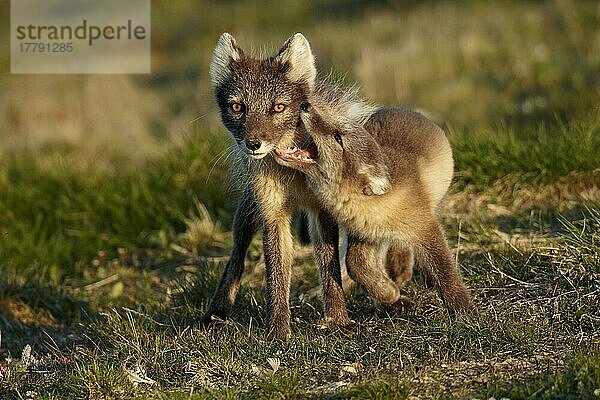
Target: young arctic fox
pixel 406 162
pixel 260 102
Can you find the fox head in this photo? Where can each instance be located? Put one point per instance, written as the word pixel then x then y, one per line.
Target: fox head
pixel 260 99
pixel 341 153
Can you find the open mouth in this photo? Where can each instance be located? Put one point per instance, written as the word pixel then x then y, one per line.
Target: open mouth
pixel 295 155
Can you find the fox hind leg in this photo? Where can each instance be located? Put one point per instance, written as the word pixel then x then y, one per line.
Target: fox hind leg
pixel 439 268
pixel 362 261
pixel 399 262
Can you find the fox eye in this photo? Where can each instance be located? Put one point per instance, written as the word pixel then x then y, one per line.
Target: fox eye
pixel 338 138
pixel 236 107
pixel 279 107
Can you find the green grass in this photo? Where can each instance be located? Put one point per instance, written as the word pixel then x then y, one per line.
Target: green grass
pixel 541 155
pixel 579 380
pixel 53 213
pixel 537 310
pixel 111 246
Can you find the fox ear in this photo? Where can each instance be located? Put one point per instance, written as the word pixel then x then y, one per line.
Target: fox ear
pixel 226 51
pixel 377 184
pixel 296 52
pixel 375 177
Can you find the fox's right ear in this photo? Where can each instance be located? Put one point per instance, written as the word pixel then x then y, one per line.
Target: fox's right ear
pixel 375 177
pixel 378 183
pixel 226 51
pixel 297 53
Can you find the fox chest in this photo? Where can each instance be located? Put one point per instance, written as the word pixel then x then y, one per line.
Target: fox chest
pixel 357 213
pixel 283 190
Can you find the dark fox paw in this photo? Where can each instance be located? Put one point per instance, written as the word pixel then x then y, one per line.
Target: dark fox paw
pixel 212 317
pixel 403 305
pixel 278 333
pixel 335 323
pixel 460 302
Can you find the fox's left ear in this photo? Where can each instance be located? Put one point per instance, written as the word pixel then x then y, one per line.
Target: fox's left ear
pixel 297 53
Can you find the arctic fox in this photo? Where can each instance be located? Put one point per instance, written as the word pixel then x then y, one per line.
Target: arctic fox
pixel 260 102
pixel 383 181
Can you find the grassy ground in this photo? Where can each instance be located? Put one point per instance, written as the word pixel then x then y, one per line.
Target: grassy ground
pixel 121 319
pixel 108 254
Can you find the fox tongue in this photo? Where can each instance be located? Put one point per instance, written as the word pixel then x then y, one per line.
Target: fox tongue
pixel 295 154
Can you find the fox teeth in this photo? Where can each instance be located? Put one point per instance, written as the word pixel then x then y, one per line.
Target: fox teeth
pixel 292 148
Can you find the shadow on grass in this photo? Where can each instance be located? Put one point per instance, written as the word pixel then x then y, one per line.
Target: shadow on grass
pixel 37 314
pixel 544 219
pixel 191 293
pixel 579 380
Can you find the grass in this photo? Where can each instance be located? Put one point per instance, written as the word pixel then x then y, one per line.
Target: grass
pixel 110 249
pixel 578 380
pixel 542 155
pixel 60 215
pixel 136 335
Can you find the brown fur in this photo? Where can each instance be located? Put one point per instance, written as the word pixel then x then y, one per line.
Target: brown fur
pixel 407 161
pixel 270 197
pixel 273 191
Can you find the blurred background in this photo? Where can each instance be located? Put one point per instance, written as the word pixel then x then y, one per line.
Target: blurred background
pixel 468 64
pixel 118 175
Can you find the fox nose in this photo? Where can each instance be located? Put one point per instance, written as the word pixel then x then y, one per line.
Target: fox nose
pixel 253 145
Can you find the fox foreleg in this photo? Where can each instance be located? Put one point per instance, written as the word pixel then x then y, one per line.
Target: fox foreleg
pixel 325 237
pixel 244 228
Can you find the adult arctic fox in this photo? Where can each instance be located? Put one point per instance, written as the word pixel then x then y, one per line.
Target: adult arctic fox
pixel 260 102
pixel 406 161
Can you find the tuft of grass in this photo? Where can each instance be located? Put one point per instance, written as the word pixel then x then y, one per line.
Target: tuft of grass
pixel 377 390
pixel 583 236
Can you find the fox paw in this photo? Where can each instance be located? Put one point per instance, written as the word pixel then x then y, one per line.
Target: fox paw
pixel 403 305
pixel 212 317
